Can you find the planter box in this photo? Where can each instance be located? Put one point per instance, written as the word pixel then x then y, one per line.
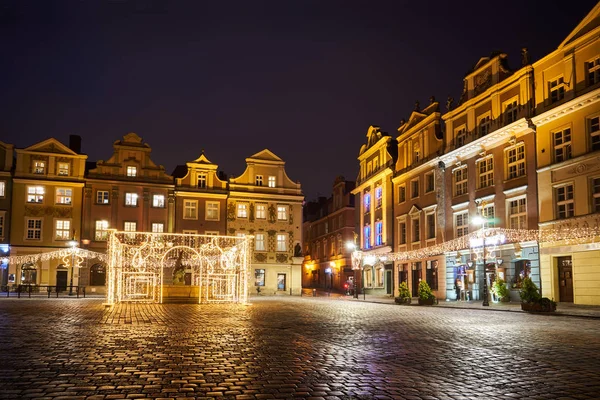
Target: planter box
pixel 427 302
pixel 538 307
pixel 402 300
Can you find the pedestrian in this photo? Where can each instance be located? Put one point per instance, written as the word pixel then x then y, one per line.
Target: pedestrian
pixel 457 288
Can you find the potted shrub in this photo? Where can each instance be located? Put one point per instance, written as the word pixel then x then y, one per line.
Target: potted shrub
pixel 500 290
pixel 532 300
pixel 426 296
pixel 404 296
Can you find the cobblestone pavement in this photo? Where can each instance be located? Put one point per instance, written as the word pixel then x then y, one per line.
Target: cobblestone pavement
pixel 280 348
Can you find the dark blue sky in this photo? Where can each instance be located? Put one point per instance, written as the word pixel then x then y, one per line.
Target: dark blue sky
pixel 302 78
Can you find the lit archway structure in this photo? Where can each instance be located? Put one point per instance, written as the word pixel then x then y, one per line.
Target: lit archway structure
pixel 142 265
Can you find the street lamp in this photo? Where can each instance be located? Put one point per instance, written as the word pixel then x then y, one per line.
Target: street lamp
pixel 479 220
pixel 73 244
pixel 356 261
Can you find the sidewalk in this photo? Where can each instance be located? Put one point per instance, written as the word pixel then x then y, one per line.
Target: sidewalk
pixel 562 309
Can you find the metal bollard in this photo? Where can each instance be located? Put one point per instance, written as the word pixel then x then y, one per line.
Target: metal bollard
pixel 314 292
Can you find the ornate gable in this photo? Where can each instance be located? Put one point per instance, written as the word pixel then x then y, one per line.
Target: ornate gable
pixel 414 211
pixel 265 155
pixel 588 24
pixel 50 146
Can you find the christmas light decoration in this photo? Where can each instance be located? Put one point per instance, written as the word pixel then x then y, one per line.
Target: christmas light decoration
pixel 141 265
pixel 63 254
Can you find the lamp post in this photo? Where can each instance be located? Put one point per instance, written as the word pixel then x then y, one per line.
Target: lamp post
pixel 356 261
pixel 73 244
pixel 480 220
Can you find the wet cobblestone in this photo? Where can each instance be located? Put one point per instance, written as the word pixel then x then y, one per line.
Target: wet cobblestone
pixel 285 348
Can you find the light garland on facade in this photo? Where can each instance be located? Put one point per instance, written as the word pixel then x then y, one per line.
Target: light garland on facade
pixel 65 255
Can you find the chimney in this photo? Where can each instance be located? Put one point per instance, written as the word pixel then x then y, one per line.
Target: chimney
pixel 75 143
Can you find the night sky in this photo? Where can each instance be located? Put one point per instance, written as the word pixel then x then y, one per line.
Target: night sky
pixel 302 78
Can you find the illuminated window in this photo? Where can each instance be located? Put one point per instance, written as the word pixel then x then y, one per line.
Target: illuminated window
pixel 259 242
pixel 594 129
pixel 461 224
pixel 484 125
pixel 460 181
pixel 64 195
pixel 202 181
pixel 193 232
pixel 282 240
pixel 102 197
pixel 557 89
pixel 131 199
pixel 158 227
pixel 62 229
pixel 190 209
pixel 63 169
pixel 34 229
pixel 101 233
pixel 259 277
pixel 564 202
pixel 212 210
pixel 562 145
pixel 2 189
pixel 367 237
pixel 158 200
pixel 259 180
pixel 272 181
pixel 35 194
pixel 378 196
pixel 515 161
pixel 261 211
pixel 485 171
pixel 378 233
pixel 517 213
pixel 596 195
pixel 130 226
pixel 367 202
pixel 242 210
pixel 131 171
pixel 511 112
pixel 593 71
pixel 39 167
pixel 282 213
pixel 489 214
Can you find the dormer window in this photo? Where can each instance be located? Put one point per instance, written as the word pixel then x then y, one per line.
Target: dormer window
pixel 258 181
pixel 63 169
pixel 131 171
pixel 593 71
pixel 460 136
pixel 557 89
pixel 202 181
pixel 39 167
pixel 272 181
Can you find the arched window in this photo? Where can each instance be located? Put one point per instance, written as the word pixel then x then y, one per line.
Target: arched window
pixel 379 276
pixel 28 274
pixel 368 277
pixel 98 275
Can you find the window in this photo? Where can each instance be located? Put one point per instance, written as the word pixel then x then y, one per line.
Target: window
pixel 101 230
pixel 2 218
pixel 379 277
pixel 522 271
pixel 34 229
pixel 460 137
pixel 39 167
pixel 259 242
pixel 98 275
pixel 158 200
pixel 64 196
pixel 429 182
pixel 259 277
pixel 190 209
pixel 281 242
pixel 259 180
pixel 562 145
pixel 131 199
pixel 596 195
pixel 207 233
pixel 557 89
pixel 511 112
pixel 430 220
pixel 593 71
pixel 35 194
pixel 375 163
pixel 131 171
pixel 414 188
pixel 158 227
pixel 431 274
pixel 461 224
pixel 515 161
pixel 460 181
pixel 402 233
pixel 367 202
pixel 517 213
pixel 378 233
pixel 416 153
pixel 282 213
pixel 485 169
pixel 332 246
pixel 401 194
pixel 102 196
pixel 63 169
pixel 378 196
pixel 594 129
pixel 272 181
pixel 367 237
pixel 212 211
pixel 130 226
pixel 484 125
pixel 564 202
pixel 202 181
pixel 416 230
pixel 62 229
pixel 242 210
pixel 2 189
pixel 192 232
pixel 261 211
pixel 489 215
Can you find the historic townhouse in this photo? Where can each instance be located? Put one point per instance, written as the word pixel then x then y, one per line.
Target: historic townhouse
pixel 128 192
pixel 6 164
pixel 329 226
pixel 419 188
pixel 374 199
pixel 265 203
pixel 46 215
pixel 490 170
pixel 200 199
pixel 567 99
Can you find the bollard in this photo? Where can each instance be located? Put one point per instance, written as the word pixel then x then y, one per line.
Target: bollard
pixel 314 292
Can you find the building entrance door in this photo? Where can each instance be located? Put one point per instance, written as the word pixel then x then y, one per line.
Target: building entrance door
pixel 416 278
pixel 280 281
pixel 565 279
pixel 61 280
pixel 388 281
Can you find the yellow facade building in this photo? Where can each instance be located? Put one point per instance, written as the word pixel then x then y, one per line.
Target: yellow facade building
pixel 567 101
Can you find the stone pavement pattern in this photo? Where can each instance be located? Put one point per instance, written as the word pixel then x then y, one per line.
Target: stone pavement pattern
pixel 280 348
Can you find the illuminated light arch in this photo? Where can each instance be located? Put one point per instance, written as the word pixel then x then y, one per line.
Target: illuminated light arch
pixel 138 261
